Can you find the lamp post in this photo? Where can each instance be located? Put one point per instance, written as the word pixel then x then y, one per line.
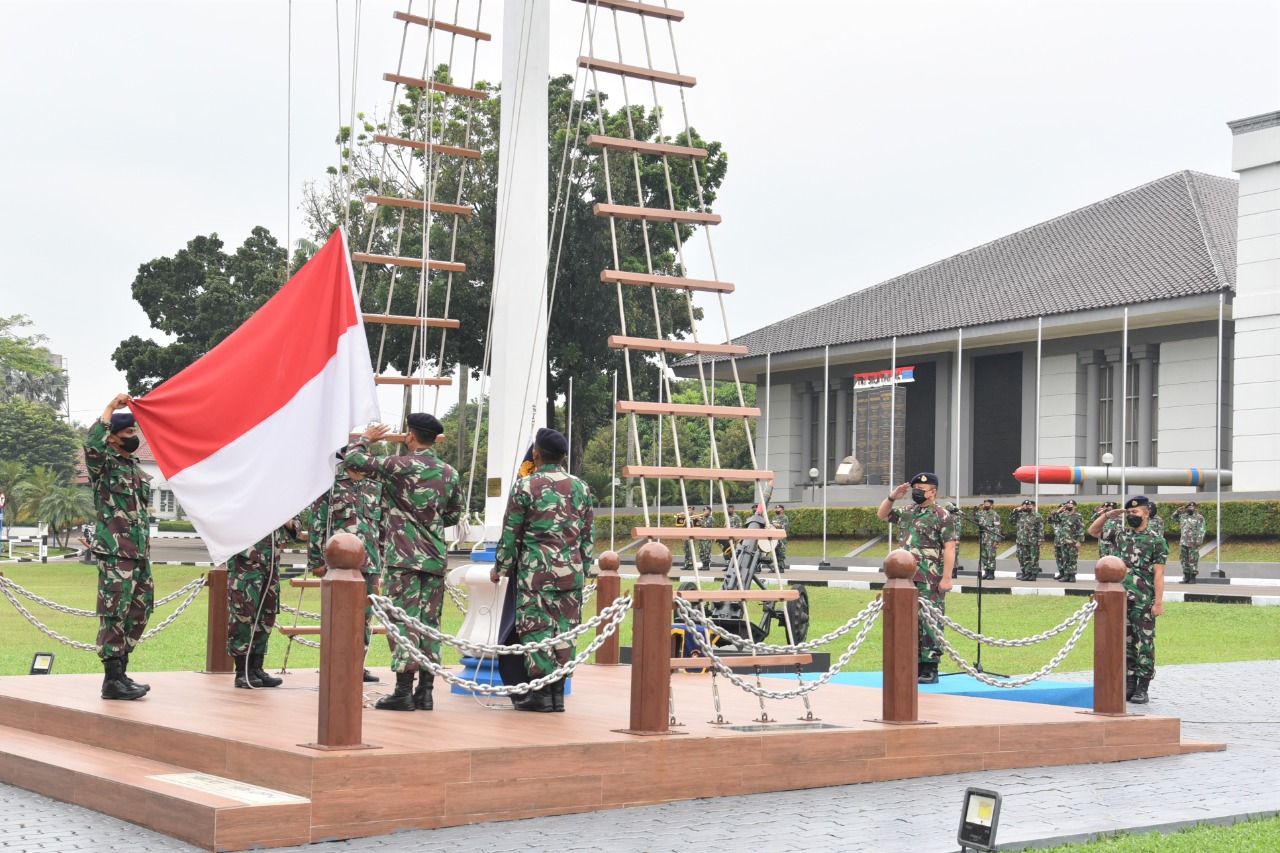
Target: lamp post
pixel 813 484
pixel 1107 459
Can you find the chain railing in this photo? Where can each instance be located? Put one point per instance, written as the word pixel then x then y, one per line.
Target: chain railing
pixel 459 597
pixel 587 592
pixel 611 617
pixel 935 619
pixel 300 613
pixel 695 614
pixel 75 611
pixel 722 665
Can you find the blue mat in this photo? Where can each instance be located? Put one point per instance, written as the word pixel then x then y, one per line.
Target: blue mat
pixel 1070 693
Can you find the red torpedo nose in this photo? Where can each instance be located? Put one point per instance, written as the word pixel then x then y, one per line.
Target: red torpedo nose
pixel 1052 474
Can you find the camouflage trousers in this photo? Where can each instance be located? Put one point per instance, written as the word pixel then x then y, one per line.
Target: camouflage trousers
pixel 1140 639
pixel 704 552
pixel 927 586
pixel 1189 556
pixel 688 553
pixel 253 601
pixel 780 551
pixel 542 614
pixel 421 594
pixel 987 555
pixel 125 597
pixel 1066 556
pixel 1029 558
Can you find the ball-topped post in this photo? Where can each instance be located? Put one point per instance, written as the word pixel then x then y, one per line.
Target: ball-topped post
pixel 901 650
pixel 608 590
pixel 1109 636
pixel 651 641
pixel 342 601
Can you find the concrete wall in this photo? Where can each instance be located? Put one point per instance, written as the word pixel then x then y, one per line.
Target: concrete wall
pixel 1061 414
pixel 1187 395
pixel 784 418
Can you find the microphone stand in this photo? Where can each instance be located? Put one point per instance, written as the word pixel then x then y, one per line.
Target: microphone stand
pixel 977 664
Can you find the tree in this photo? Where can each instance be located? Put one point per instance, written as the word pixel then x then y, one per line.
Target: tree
pixel 32 434
pixel 11 474
pixel 198 297
pixel 39 483
pixel 27 371
pixel 64 507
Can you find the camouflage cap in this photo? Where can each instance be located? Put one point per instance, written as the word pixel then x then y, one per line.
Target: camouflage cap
pixel 122 420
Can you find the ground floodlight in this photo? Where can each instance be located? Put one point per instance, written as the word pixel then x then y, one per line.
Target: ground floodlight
pixel 978 819
pixel 42 663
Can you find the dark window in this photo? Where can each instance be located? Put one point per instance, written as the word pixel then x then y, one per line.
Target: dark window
pixel 921 425
pixel 997 423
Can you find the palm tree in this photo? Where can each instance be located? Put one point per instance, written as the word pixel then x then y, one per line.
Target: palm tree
pixel 34 488
pixel 11 474
pixel 65 507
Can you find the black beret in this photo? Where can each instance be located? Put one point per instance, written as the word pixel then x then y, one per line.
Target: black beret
pixel 925 479
pixel 425 424
pixel 1193 504
pixel 989 501
pixel 1028 502
pixel 551 441
pixel 781 507
pixel 1137 501
pixel 122 420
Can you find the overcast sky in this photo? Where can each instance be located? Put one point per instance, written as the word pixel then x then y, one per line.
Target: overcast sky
pixel 865 139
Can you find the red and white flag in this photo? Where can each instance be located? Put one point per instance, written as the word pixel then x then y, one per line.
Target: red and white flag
pixel 246 435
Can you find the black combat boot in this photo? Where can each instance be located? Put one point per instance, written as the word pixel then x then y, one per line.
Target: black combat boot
pixel 402 699
pixel 245 678
pixel 368 677
pixel 989 575
pixel 256 670
pixel 1129 684
pixel 1059 576
pixel 539 701
pixel 113 684
pixel 1140 691
pixel 422 695
pixel 146 688
pixel 927 673
pixel 557 695
pixel 1187 577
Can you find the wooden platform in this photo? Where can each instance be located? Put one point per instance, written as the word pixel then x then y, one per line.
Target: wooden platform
pixel 463 763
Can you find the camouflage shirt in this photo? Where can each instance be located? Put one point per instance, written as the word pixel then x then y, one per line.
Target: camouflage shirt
pixel 1141 552
pixel 706 520
pixel 420 497
pixel 1155 524
pixel 925 531
pixel 546 532
pixel 989 521
pixel 1030 528
pixel 1193 524
pixel 121 498
pixel 1068 527
pixel 781 521
pixel 352 506
pixel 264 553
pixel 734 520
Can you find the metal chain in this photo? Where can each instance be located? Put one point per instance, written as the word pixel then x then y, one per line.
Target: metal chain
pixel 74 611
pixel 87 647
pixel 458 596
pixel 175 614
pixel 587 592
pixel 938 616
pixel 301 614
pixel 423 660
pixel 297 639
pixel 693 614
pixel 1088 609
pixel 718 663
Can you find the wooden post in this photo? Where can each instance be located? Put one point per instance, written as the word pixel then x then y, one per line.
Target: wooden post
pixel 900 618
pixel 651 642
pixel 342 600
pixel 608 590
pixel 216 659
pixel 1109 636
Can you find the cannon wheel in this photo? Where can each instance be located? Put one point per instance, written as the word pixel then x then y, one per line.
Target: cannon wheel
pixel 686 586
pixel 798 614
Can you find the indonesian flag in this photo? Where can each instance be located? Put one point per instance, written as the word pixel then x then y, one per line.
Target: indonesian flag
pixel 246 435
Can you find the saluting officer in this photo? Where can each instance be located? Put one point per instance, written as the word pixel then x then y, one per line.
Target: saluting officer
pixel 1190 538
pixel 988 538
pixel 1068 532
pixel 1030 535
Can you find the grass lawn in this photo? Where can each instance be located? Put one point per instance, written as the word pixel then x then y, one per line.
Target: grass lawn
pixel 1187 632
pixel 1255 836
pixel 1242 551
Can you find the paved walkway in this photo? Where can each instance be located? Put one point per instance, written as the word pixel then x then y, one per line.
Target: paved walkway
pixel 1236 702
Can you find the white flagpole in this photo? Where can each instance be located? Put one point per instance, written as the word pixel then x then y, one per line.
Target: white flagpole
pixel 893 410
pixel 1217 443
pixel 1039 342
pixel 1124 406
pixel 768 408
pixel 826 432
pixel 959 379
pixel 613 477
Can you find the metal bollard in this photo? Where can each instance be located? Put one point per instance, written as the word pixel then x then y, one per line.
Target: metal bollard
pixel 1109 637
pixel 608 591
pixel 651 642
pixel 216 659
pixel 900 618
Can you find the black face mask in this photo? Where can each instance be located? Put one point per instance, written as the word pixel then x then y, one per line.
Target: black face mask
pixel 1135 521
pixel 130 444
pixel 919 496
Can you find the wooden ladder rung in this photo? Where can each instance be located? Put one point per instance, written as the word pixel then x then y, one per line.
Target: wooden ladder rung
pixel 306 583
pixel 671 472
pixel 678 347
pixel 618 143
pixel 392 437
pixel 412 380
pixel 735 661
pixel 627 407
pixel 707 533
pixel 657 214
pixel 623 277
pixel 422 146
pixel 423 83
pixel 639 72
pixel 738 594
pixel 441 26
pixel 639 8
pixel 312 630
pixel 419 204
pixel 414 263
pixel 407 320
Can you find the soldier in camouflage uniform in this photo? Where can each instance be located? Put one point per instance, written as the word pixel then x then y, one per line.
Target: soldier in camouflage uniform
pixel 1109 525
pixel 353 505
pixel 1068 533
pixel 686 520
pixel 1156 524
pixel 1191 537
pixel 988 538
pixel 1144 553
pixel 932 536
pixel 781 521
pixel 707 519
pixel 1030 535
pixel 546 549
pixel 421 498
pixel 253 602
pixel 121 543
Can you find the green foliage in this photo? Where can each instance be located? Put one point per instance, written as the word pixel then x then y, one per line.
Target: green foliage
pixel 198 297
pixel 175 526
pixel 26 372
pixel 457 452
pixel 28 495
pixel 64 507
pixel 1259 834
pixel 32 435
